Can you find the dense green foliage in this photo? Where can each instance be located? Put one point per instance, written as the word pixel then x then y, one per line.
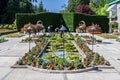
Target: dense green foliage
pixel 2 39
pixel 14 6
pixel 8 9
pixel 70 20
pixel 72 5
pixel 100 6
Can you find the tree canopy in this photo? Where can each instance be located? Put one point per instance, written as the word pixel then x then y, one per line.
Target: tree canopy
pixel 8 9
pixel 99 6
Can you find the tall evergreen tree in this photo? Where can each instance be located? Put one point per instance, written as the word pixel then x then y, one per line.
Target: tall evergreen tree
pixel 72 5
pixel 3 5
pixel 40 7
pixel 86 2
pixel 12 9
pixel 26 6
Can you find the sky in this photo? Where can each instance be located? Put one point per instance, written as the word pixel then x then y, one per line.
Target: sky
pixel 53 5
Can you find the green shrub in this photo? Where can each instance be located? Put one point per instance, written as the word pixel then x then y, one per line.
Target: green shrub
pixel 59 67
pixel 78 64
pixel 10 27
pixel 114 25
pixel 96 58
pixel 118 39
pixel 6 26
pixel 20 62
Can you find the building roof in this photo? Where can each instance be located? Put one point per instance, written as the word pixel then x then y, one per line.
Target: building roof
pixel 114 2
pixel 112 7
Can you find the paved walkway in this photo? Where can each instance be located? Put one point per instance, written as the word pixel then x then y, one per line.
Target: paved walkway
pixel 12 50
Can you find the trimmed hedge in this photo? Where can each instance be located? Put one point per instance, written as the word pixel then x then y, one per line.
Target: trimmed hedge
pixel 70 20
pixel 89 19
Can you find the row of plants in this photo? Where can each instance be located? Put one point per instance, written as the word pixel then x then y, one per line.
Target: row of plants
pixel 32 58
pixel 107 36
pixel 9 26
pixel 2 39
pixel 92 58
pixel 15 35
pixel 37 38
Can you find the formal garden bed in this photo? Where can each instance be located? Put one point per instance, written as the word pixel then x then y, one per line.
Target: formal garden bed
pixel 61 54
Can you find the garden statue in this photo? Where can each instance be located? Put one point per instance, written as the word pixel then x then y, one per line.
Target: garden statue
pixel 81 27
pixel 38 26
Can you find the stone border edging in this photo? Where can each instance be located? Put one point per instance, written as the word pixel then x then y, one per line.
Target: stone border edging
pixel 62 71
pixel 19 66
pixel 105 67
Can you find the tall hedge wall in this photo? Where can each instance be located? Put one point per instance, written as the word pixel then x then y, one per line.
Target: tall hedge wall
pixel 70 20
pixel 100 20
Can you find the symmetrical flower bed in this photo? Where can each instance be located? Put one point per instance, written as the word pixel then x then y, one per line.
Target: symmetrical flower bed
pixel 61 54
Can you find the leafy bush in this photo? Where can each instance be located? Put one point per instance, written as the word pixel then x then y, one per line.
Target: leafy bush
pixel 43 65
pixel 78 64
pixel 114 25
pixel 20 62
pixel 2 39
pixel 118 39
pixel 96 58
